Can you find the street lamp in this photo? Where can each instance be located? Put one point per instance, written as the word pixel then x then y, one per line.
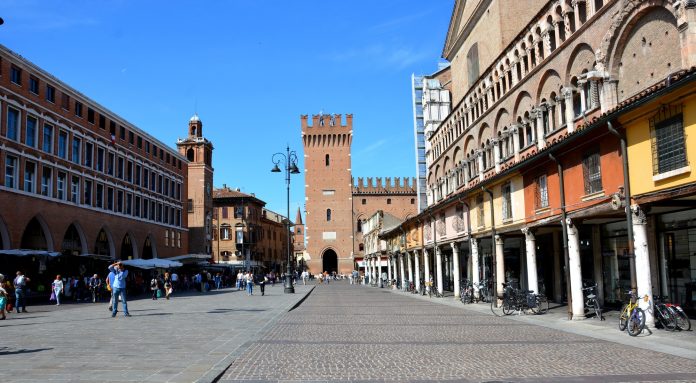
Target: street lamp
pixel 289 160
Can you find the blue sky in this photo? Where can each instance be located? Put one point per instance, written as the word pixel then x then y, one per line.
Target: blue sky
pixel 248 68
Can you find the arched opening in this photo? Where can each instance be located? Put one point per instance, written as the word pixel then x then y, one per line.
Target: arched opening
pixel 359 226
pixel 102 245
pixel 127 251
pixel 328 215
pixel 190 155
pixel 4 235
pixel 329 261
pixel 34 237
pixel 72 244
pixel 148 249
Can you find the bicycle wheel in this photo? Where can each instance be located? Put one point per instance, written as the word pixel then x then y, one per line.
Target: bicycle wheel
pixel 508 306
pixel 636 322
pixel 597 310
pixel 680 317
pixel 542 305
pixel 669 321
pixel 623 318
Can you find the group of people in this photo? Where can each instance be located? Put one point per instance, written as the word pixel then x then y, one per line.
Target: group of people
pixel 19 284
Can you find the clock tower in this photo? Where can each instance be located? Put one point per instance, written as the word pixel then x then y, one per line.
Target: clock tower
pixel 199 153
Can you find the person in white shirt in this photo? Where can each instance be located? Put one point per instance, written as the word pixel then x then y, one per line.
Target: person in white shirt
pixel 58 288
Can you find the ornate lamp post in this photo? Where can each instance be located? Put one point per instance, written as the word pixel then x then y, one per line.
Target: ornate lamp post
pixel 289 160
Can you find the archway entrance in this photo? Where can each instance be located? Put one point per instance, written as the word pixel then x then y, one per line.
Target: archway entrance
pixel 101 246
pixel 126 247
pixel 329 261
pixel 33 237
pixel 72 245
pixel 147 249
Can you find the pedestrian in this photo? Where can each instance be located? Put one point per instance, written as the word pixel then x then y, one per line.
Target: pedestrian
pixel 262 284
pixel 154 287
pixel 95 286
pixel 218 281
pixel 239 280
pixel 326 277
pixel 119 287
pixel 20 285
pixel 250 283
pixel 3 297
pixel 109 284
pixel 175 280
pixel 305 276
pixel 168 285
pixel 58 289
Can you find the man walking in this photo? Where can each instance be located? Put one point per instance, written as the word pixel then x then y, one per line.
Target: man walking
pixel 20 285
pixel 250 283
pixel 119 287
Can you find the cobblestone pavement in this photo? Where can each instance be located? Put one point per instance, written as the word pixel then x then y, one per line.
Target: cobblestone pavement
pixel 358 333
pixel 192 337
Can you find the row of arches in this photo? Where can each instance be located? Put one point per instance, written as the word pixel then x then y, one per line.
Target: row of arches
pixel 37 235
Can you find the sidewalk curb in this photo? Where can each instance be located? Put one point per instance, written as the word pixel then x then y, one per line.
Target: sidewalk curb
pixel 658 343
pixel 217 371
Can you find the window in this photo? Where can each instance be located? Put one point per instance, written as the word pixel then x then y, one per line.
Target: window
pixel 140 142
pixel 147 146
pixel 541 192
pixel 16 75
pixel 506 191
pixel 129 203
pixel 328 215
pixel 413 201
pixel 65 101
pixel 50 94
pixel 109 198
pixel 46 181
pixel 137 174
pixel 63 144
pixel 75 189
pixel 119 169
pixel 189 204
pixel 137 206
pixel 102 122
pixel 30 137
pixel 34 85
pixel 12 123
pixel 327 160
pixel 129 171
pixel 166 238
pixel 90 115
pixel 667 140
pixel 100 159
pixel 60 189
pixel 480 210
pixel 146 178
pixel 472 64
pixel 239 235
pixel 47 144
pixel 99 199
pixel 225 233
pixel 88 192
pixel 89 148
pixel 153 181
pixel 591 171
pixel 119 201
pixel 146 207
pixel 364 201
pixel 10 172
pixel 110 164
pixel 131 138
pixel 122 132
pixel 239 212
pixel 358 226
pixel 78 109
pixel 388 201
pixel 29 177
pixel 224 212
pixel 76 145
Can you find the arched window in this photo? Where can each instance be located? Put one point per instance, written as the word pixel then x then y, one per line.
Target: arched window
pixel 327 160
pixel 189 155
pixel 359 225
pixel 328 215
pixel 361 247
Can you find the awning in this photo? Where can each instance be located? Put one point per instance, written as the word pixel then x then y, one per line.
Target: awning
pixel 28 252
pixel 382 263
pixel 190 258
pixel 154 263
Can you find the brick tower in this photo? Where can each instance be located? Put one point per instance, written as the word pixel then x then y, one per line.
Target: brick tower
pixel 298 238
pixel 199 153
pixel 328 192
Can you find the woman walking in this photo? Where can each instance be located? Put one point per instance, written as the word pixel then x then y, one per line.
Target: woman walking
pixel 167 285
pixel 58 288
pixel 3 297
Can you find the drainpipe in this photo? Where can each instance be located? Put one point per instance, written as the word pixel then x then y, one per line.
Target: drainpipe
pixel 627 203
pixel 493 234
pixel 565 235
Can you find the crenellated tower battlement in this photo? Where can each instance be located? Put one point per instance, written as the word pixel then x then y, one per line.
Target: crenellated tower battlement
pixel 379 185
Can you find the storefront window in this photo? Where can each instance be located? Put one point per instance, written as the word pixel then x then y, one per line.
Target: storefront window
pixel 677 241
pixel 615 262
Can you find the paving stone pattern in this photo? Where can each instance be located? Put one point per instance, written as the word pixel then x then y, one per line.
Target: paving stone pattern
pixel 192 337
pixel 357 333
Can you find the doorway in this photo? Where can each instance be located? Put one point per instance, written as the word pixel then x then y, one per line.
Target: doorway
pixel 329 261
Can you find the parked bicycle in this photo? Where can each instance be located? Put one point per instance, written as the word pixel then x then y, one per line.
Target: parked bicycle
pixel 484 292
pixel 632 317
pixel 591 302
pixel 664 317
pixel 466 291
pixel 683 321
pixel 516 300
pixel 433 290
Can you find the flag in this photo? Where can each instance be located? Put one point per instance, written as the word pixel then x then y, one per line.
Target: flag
pixel 113 139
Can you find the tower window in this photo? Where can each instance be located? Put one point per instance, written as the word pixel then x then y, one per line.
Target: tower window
pixel 328 215
pixel 327 160
pixel 388 201
pixel 189 155
pixel 364 201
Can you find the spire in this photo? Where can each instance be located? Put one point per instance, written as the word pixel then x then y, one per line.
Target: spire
pixel 298 218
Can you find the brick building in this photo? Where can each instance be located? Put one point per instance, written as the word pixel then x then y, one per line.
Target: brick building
pixel 247 235
pixel 77 179
pixel 335 206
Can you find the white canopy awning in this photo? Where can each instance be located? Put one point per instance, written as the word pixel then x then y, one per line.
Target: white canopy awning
pixel 190 257
pixel 154 263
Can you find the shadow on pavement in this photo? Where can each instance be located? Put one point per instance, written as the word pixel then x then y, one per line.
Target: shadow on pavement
pixel 7 351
